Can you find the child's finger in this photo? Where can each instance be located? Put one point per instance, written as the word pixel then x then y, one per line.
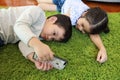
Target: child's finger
pixel 49 66
pixel 42 58
pixel 51 55
pixel 98 57
pixel 45 66
pixel 39 65
pixel 103 60
pixel 47 57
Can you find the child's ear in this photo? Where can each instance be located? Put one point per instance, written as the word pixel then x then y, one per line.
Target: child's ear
pixel 52 19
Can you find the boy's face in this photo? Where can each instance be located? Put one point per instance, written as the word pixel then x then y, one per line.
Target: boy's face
pixel 83 25
pixel 52 31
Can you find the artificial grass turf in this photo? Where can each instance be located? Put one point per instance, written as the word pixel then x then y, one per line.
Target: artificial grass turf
pixel 80 53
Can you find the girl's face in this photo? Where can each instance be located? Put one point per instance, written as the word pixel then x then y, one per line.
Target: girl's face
pixel 83 25
pixel 52 31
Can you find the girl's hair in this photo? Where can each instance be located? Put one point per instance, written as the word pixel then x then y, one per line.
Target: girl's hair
pixel 98 20
pixel 64 22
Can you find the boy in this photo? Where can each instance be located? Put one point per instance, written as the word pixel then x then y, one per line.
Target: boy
pixel 88 20
pixel 27 24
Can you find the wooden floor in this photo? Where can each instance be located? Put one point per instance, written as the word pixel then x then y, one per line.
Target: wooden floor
pixel 109 7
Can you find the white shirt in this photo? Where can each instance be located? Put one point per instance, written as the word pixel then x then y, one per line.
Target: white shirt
pixel 76 8
pixel 21 23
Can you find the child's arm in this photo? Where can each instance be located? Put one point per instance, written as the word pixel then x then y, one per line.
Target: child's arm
pixel 102 55
pixel 24 30
pixel 41 49
pixel 47 6
pixel 45 1
pixel 28 54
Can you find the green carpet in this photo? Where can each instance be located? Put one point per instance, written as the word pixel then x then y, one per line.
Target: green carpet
pixel 80 53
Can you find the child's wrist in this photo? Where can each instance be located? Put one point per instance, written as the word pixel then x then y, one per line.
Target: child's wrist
pixel 34 42
pixel 103 48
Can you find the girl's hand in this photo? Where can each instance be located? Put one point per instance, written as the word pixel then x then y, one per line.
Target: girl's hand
pixel 102 56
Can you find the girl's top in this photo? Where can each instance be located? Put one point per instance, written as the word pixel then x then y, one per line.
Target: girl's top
pixel 75 7
pixel 21 23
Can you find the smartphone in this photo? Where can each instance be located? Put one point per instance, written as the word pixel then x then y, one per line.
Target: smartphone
pixel 57 62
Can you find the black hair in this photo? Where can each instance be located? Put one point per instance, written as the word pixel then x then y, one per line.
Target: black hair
pixel 98 20
pixel 64 22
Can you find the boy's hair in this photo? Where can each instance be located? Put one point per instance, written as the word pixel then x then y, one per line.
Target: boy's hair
pixel 98 20
pixel 64 22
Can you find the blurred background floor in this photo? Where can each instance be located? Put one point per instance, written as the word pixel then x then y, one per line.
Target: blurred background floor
pixel 17 2
pixel 109 7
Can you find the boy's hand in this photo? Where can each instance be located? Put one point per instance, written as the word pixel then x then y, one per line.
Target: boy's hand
pixel 42 50
pixel 41 65
pixel 102 56
pixel 45 66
